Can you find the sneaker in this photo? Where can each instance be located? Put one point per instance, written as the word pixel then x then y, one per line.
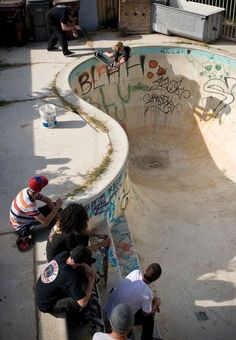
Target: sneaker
pixel 24 244
pixel 99 53
pixel 67 53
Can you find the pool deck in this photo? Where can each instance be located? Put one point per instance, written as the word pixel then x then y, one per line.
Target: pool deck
pixel 27 149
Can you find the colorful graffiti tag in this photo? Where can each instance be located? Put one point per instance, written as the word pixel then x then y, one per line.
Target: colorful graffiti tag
pixel 112 201
pixel 149 82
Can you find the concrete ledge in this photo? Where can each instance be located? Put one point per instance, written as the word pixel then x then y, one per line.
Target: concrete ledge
pixel 49 327
pixel 116 134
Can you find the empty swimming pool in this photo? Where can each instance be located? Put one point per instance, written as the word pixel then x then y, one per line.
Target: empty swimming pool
pixel 177 106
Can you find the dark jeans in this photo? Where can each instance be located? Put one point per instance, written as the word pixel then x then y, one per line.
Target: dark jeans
pixel 36 225
pixel 66 305
pixel 147 323
pixel 55 34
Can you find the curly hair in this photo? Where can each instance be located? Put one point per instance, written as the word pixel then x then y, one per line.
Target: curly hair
pixel 74 218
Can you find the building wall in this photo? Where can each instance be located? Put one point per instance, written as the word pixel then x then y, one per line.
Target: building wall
pixel 135 16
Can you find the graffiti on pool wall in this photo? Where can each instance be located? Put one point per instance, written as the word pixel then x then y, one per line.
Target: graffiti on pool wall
pixel 113 200
pixel 152 65
pixel 94 78
pixel 210 67
pixel 222 94
pixel 165 95
pixel 124 246
pixel 161 94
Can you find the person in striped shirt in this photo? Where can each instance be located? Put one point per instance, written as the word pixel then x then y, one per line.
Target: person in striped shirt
pixel 26 217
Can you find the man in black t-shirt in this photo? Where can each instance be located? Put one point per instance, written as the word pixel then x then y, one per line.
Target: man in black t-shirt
pixel 60 19
pixel 61 287
pixel 71 230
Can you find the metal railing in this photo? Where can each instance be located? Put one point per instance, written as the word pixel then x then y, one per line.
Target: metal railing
pixel 228 29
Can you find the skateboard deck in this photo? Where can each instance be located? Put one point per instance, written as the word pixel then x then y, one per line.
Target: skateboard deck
pixel 103 58
pixel 103 275
pixel 99 54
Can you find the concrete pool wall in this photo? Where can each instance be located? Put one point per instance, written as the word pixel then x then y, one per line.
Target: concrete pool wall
pixel 166 86
pixel 177 106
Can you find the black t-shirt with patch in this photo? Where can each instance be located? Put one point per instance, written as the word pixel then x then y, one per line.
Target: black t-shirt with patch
pixel 59 242
pixel 58 15
pixel 57 281
pixel 125 53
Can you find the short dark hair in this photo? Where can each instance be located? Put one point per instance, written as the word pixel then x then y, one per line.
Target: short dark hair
pixel 153 272
pixel 74 218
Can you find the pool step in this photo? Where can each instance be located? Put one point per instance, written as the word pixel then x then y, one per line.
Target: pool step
pixel 124 246
pixel 127 259
pixel 114 274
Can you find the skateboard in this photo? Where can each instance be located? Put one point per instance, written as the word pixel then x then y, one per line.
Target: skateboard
pixel 106 60
pixel 104 254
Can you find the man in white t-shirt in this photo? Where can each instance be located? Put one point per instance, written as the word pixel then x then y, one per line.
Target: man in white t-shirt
pixel 134 290
pixel 121 320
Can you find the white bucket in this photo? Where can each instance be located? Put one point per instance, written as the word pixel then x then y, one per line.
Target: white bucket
pixel 48 115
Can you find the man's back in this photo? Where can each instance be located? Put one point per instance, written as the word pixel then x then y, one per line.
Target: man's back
pixel 132 290
pixel 23 209
pixel 58 14
pixel 57 281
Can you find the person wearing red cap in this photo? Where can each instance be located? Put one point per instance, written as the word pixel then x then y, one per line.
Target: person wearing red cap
pixel 26 217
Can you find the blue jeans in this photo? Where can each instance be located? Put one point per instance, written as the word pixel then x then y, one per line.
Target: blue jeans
pixel 35 225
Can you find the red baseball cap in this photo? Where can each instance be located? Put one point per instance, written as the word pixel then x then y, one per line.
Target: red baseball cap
pixel 37 183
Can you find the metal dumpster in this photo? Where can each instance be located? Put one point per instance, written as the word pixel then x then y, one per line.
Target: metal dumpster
pixel 13 23
pixel 37 10
pixel 187 19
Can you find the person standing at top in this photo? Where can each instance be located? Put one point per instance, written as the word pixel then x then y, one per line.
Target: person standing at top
pixel 60 19
pixel 26 217
pixel 70 230
pixel 134 291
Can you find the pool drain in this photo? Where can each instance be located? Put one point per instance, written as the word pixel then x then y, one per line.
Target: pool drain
pixel 154 164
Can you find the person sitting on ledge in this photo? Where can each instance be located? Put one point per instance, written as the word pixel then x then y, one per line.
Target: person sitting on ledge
pixel 70 230
pixel 66 284
pixel 134 291
pixel 26 217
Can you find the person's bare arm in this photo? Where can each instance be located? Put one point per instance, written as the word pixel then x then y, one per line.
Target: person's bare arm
pixel 88 291
pixel 47 220
pixel 48 201
pixel 69 27
pixel 122 61
pixel 91 233
pixel 96 246
pixel 156 302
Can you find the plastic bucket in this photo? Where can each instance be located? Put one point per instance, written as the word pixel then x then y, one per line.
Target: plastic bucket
pixel 48 115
